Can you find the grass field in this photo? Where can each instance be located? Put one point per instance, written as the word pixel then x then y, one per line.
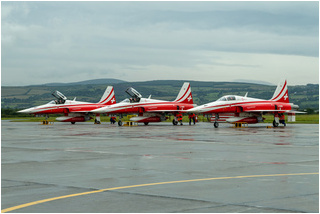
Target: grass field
pixel 300 118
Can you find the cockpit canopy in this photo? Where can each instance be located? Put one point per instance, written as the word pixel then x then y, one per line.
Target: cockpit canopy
pixel 227 98
pixel 136 96
pixel 59 95
pixel 61 99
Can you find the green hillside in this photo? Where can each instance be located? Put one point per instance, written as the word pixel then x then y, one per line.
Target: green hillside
pixel 306 96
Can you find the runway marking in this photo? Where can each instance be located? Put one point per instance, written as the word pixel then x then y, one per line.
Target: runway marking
pixel 143 185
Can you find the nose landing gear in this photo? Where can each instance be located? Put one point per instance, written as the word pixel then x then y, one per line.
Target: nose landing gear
pixel 216 124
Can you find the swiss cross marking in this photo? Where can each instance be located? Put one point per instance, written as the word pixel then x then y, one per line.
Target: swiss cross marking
pixel 285 97
pixel 189 98
pixel 112 100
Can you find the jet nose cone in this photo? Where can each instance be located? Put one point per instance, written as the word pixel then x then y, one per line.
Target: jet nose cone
pixel 99 110
pixel 28 110
pixel 196 109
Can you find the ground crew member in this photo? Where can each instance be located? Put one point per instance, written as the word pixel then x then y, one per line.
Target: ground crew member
pixel 282 119
pixel 113 119
pixel 194 119
pixel 192 116
pixel 179 117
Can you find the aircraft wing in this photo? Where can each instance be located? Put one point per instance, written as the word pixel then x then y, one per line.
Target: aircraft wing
pixel 279 110
pixel 288 111
pixel 298 112
pixel 264 108
pixel 164 111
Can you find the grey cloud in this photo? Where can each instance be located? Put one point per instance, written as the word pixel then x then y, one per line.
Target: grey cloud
pixel 55 38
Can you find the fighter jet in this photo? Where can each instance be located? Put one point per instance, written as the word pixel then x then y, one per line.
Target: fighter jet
pixel 237 109
pixel 74 111
pixel 151 110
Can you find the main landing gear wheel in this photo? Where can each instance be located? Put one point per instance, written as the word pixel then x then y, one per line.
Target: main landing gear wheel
pixel 275 124
pixel 216 124
pixel 174 122
pixel 119 123
pixel 146 123
pixel 73 123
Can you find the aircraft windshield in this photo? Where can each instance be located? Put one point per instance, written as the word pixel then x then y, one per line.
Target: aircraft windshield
pixel 125 101
pixel 52 102
pixel 222 99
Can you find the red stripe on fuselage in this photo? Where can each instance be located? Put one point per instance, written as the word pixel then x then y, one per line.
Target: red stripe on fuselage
pixel 60 109
pixel 133 107
pixel 234 105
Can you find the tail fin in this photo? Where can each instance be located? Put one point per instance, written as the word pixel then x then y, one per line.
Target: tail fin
pixel 281 93
pixel 108 98
pixel 185 95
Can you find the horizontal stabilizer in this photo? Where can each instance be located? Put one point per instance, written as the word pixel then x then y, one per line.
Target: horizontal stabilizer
pixel 297 112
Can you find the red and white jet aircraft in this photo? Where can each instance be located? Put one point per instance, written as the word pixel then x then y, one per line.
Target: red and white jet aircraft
pixel 237 109
pixel 74 111
pixel 150 110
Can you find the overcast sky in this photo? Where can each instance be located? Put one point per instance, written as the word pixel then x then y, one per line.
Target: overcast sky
pixel 44 42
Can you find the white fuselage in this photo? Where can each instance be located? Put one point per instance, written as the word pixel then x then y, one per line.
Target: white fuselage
pixel 224 103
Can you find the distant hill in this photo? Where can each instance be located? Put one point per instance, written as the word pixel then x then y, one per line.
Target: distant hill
pixel 88 82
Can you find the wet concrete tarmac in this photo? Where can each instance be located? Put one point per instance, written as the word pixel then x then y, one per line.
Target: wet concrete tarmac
pixel 43 162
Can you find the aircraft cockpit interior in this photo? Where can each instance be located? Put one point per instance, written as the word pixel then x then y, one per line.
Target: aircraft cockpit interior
pixel 227 98
pixel 135 95
pixel 61 99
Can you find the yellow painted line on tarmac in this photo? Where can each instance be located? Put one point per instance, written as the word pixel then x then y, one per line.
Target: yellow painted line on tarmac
pixel 143 185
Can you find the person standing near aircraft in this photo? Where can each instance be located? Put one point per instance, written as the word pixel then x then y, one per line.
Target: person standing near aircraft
pixel 113 119
pixel 179 117
pixel 192 117
pixel 282 119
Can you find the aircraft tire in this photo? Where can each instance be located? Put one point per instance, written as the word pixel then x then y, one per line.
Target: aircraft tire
pixel 174 122
pixel 146 123
pixel 73 123
pixel 119 123
pixel 216 124
pixel 275 124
